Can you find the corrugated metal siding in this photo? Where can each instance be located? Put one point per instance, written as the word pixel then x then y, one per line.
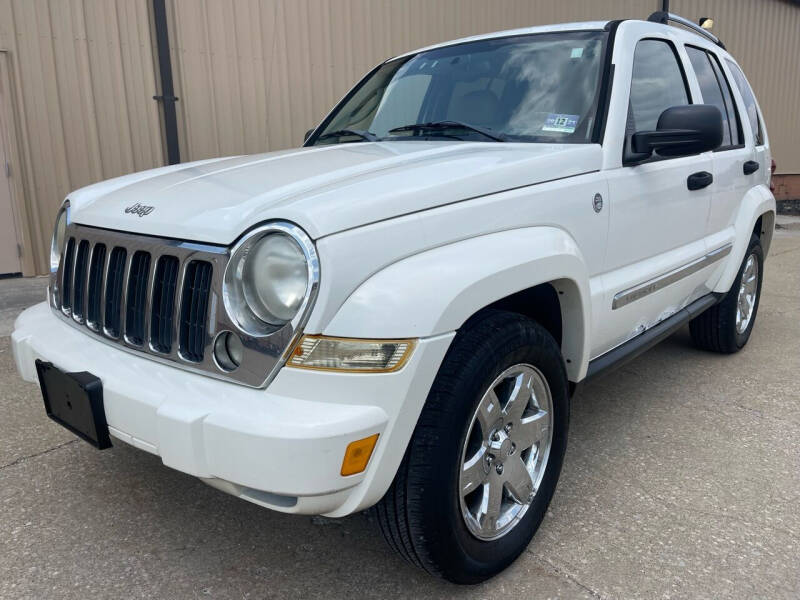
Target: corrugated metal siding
pixel 258 73
pixel 84 77
pixel 764 36
pixel 253 75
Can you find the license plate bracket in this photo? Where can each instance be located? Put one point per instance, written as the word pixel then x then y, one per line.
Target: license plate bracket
pixel 75 401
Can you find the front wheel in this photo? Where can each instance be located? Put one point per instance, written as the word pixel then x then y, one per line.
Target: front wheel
pixel 486 454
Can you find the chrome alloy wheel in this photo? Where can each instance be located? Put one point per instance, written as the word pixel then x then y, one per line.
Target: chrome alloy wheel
pixel 748 290
pixel 506 450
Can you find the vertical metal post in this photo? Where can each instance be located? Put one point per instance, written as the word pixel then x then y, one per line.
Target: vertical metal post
pixel 665 5
pixel 167 96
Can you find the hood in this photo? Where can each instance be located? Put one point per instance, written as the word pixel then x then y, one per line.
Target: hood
pixel 323 189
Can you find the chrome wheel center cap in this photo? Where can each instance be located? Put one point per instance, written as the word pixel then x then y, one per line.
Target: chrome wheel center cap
pixel 500 445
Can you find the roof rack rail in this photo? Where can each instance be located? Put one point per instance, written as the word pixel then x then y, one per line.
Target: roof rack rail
pixel 665 18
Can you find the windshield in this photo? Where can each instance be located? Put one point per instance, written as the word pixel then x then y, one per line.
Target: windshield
pixel 531 88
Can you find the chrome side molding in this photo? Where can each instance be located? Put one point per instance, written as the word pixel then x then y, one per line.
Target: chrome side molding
pixel 638 292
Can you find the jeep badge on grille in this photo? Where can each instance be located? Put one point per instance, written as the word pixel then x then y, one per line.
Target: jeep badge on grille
pixel 139 209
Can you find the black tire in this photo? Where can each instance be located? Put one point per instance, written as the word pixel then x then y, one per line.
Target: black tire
pixel 420 515
pixel 715 330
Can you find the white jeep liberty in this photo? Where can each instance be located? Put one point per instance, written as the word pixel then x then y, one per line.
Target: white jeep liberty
pixel 396 313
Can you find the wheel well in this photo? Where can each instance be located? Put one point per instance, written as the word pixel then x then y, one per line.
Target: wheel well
pixel 558 306
pixel 539 303
pixel 757 228
pixel 764 227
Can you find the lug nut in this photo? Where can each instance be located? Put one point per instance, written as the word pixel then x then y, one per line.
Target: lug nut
pixel 489 459
pixel 513 448
pixel 499 469
pixel 495 437
pixel 508 427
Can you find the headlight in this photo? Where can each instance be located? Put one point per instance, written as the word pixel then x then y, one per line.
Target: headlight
pixel 274 278
pixel 59 232
pixel 269 278
pixel 350 355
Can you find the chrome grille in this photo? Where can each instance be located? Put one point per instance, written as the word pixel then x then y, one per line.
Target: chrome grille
pixel 79 281
pixel 115 274
pixel 68 267
pixel 135 297
pixel 95 293
pixel 158 297
pixel 125 288
pixel 161 316
pixel 196 286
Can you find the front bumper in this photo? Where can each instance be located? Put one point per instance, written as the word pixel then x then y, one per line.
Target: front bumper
pixel 281 447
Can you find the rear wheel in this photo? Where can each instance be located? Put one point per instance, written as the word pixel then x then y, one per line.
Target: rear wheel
pixel 727 326
pixel 482 465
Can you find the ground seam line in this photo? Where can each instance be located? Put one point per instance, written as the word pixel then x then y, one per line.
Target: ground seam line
pixel 22 459
pixel 568 576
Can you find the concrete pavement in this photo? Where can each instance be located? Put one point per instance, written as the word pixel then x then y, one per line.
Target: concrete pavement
pixel 682 480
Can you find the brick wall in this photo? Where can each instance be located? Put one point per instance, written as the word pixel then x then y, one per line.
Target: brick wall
pixel 787 187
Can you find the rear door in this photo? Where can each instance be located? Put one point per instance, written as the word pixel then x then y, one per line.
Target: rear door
pixel 753 124
pixel 735 167
pixel 657 225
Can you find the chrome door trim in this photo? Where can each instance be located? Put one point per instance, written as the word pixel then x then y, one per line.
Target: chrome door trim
pixel 650 286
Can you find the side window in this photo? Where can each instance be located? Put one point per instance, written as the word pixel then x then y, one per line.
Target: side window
pixel 749 101
pixel 711 89
pixel 656 85
pixel 737 137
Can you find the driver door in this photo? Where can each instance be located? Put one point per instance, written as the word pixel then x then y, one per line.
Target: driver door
pixel 657 223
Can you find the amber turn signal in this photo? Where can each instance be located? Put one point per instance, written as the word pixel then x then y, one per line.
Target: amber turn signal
pixel 357 455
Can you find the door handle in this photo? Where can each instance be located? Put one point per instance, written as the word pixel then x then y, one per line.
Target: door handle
pixel 699 180
pixel 750 167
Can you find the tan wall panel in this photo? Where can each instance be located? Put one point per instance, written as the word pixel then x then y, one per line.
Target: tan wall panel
pixel 253 75
pixel 764 36
pixel 84 112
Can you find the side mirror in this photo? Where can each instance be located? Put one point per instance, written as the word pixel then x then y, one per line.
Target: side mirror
pixel 681 131
pixel 308 134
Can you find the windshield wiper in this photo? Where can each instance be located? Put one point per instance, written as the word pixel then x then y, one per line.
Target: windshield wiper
pixel 364 135
pixel 498 137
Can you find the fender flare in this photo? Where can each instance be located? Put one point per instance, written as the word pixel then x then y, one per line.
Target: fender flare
pixel 436 291
pixel 758 202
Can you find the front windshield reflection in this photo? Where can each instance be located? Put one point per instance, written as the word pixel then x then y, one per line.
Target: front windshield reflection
pixel 533 88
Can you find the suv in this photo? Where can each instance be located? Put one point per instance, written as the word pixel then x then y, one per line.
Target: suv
pixel 396 314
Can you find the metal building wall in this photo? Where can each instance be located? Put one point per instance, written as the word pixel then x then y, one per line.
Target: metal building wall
pixel 82 80
pixel 253 75
pixel 256 74
pixel 764 36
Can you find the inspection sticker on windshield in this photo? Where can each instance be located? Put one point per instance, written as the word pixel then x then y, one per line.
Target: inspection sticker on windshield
pixel 561 123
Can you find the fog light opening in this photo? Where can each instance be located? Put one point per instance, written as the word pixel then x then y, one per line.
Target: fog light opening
pixel 228 351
